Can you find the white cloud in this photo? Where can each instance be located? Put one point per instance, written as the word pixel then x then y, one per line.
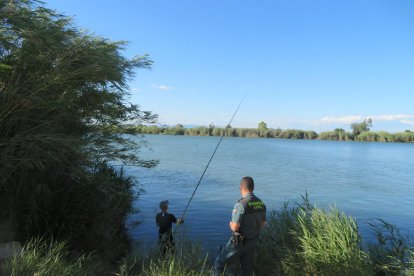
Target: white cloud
pixel 407 122
pixel 402 118
pixel 344 119
pixel 164 87
pixel 393 117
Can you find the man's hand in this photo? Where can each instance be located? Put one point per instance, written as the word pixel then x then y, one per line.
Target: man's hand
pixel 180 221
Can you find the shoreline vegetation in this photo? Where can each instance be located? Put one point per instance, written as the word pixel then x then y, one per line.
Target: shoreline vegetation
pixel 360 132
pixel 63 112
pixel 299 239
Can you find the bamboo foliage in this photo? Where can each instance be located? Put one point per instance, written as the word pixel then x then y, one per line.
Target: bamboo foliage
pixel 62 92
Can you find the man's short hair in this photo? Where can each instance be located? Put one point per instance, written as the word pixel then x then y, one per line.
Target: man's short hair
pixel 248 183
pixel 164 205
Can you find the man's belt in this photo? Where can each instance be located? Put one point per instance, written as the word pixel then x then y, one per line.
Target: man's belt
pixel 238 238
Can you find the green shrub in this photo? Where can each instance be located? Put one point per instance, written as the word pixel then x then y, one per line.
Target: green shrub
pixel 410 269
pixel 391 255
pixel 277 241
pixel 330 243
pixel 63 105
pixel 307 240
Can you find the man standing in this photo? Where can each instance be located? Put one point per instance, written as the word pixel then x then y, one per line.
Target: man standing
pixel 248 218
pixel 164 221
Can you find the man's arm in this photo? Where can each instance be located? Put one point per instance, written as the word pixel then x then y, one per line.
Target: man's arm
pixel 236 217
pixel 234 226
pixel 177 221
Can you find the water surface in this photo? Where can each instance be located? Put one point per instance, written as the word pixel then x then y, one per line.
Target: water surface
pixel 366 180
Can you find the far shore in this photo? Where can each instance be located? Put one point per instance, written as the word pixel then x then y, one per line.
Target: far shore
pixel 338 134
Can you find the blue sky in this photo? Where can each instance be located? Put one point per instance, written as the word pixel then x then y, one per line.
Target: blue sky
pixel 305 64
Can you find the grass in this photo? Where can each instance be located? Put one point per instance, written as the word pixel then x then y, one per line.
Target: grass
pixel 188 259
pixel 329 243
pixel 43 258
pixel 299 240
pixel 391 254
pixel 48 258
pixel 307 240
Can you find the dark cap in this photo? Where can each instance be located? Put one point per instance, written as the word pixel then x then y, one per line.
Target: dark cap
pixel 164 204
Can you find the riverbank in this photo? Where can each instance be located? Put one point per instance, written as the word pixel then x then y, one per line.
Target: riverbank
pixel 300 239
pixel 335 135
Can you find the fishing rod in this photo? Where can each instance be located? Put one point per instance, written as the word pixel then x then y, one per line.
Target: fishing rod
pixel 211 157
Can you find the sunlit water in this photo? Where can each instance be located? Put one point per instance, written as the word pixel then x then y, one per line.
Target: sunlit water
pixel 366 180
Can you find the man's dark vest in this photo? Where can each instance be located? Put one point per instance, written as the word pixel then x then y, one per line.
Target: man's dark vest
pixel 254 213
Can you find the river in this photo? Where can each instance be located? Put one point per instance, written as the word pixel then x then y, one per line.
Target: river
pixel 366 180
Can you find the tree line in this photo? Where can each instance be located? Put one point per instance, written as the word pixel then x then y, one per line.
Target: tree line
pixel 359 132
pixel 362 132
pixel 219 131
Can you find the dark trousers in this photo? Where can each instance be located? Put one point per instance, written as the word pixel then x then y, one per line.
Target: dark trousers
pixel 230 254
pixel 166 243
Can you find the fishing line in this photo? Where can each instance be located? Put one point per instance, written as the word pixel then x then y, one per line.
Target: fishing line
pixel 212 156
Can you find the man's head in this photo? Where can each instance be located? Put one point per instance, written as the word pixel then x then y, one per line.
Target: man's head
pixel 246 185
pixel 164 205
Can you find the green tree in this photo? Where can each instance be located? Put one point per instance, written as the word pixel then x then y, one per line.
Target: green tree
pixel 262 128
pixel 210 129
pixel 358 128
pixel 311 135
pixel 341 133
pixel 63 105
pixel 217 131
pixel 176 130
